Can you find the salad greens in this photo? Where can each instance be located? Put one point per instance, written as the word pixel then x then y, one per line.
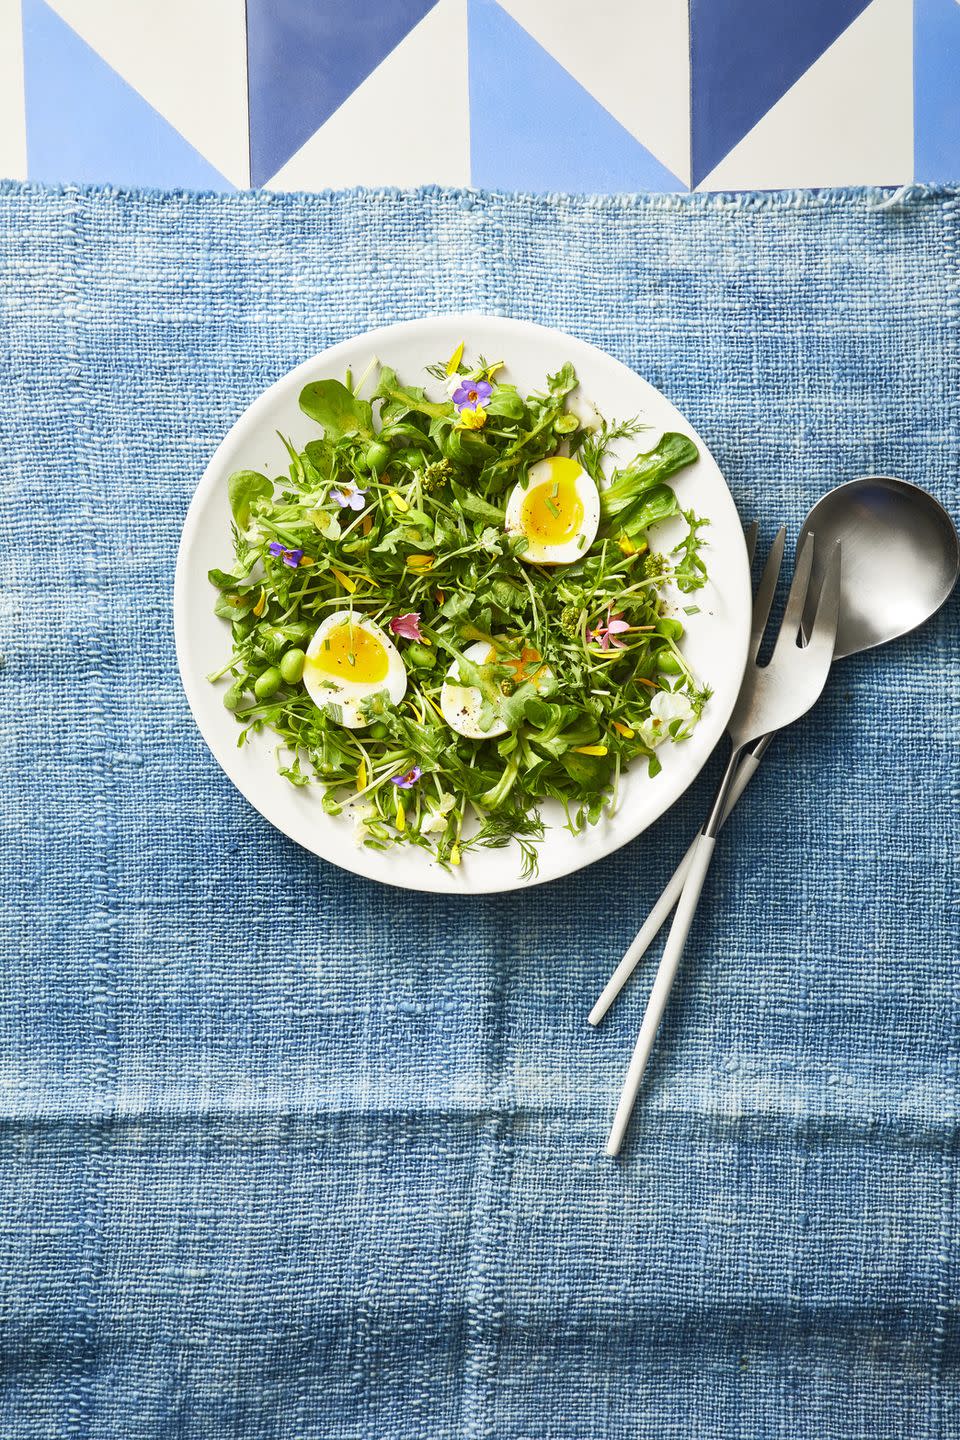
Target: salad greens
pixel 396 512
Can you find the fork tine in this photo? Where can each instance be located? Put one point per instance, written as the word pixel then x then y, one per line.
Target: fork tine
pixel 790 626
pixel 826 619
pixel 766 591
pixel 750 540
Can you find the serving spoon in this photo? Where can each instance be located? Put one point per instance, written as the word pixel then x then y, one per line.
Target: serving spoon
pixel 901 560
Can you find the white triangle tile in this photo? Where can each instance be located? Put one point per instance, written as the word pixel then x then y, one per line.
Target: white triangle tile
pixel 848 120
pixel 633 58
pixel 13 130
pixel 407 124
pixel 187 58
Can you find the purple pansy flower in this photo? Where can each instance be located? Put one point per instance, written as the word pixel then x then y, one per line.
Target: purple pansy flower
pixel 407 782
pixel 471 394
pixel 606 634
pixel 350 497
pixel 289 557
pixel 407 625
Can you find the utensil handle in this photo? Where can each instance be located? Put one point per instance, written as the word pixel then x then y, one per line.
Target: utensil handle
pixel 658 915
pixel 662 985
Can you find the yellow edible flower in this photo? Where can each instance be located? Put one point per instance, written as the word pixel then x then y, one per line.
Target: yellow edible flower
pixel 455 359
pixel 623 730
pixel 398 501
pixel 590 749
pixel 473 419
pixel 420 562
pixel 261 604
pixel 362 775
pixel 348 584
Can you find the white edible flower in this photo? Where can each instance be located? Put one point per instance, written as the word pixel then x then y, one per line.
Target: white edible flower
pixel 437 818
pixel 669 705
pixel 586 412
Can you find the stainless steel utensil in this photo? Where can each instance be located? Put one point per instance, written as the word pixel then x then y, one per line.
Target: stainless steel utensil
pixel 771 697
pixel 901 560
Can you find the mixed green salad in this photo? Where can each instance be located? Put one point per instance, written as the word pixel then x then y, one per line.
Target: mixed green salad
pixel 453 609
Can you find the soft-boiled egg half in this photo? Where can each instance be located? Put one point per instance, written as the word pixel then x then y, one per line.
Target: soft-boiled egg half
pixel 348 660
pixel 462 705
pixel 557 513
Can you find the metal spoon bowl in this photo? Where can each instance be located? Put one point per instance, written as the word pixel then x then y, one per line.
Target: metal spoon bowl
pixel 901 558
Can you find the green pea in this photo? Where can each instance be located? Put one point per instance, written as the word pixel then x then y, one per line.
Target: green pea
pixel 565 424
pixel 267 684
pixel 671 628
pixel 420 655
pixel 234 695
pixel 376 456
pixel 668 663
pixel 378 731
pixel 413 456
pixel 291 666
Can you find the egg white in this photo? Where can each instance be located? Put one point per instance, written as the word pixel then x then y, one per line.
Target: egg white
pixel 340 697
pixel 461 705
pixel 543 552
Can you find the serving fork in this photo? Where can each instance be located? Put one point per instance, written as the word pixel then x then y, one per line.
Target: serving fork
pixel 771 697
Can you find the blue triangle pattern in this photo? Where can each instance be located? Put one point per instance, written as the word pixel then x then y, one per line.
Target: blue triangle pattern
pixel 746 54
pixel 86 124
pixel 534 127
pixel 304 59
pixel 936 60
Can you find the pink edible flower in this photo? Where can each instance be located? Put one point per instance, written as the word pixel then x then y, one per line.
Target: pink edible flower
pixel 407 625
pixel 606 634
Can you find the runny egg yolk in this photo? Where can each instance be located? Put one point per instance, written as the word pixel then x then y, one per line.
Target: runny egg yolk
pixel 350 653
pixel 552 512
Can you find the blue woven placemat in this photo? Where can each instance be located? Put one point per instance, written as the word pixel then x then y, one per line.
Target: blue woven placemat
pixel 287 1154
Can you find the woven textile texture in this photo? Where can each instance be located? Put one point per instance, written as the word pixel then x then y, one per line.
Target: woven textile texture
pixel 288 1154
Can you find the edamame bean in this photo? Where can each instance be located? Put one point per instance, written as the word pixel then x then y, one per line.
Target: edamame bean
pixel 267 684
pixel 291 666
pixel 672 629
pixel 420 655
pixel 377 456
pixel 668 663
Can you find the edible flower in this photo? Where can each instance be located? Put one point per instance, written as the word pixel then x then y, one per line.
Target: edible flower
pixel 669 705
pixel 407 625
pixel 407 781
pixel 289 557
pixel 472 395
pixel 473 419
pixel 350 497
pixel 605 635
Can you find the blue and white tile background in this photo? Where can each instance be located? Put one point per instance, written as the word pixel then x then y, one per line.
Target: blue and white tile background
pixel 537 95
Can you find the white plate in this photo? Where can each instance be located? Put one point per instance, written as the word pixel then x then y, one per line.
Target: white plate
pixel 716 641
